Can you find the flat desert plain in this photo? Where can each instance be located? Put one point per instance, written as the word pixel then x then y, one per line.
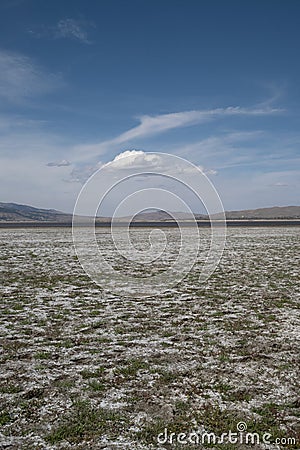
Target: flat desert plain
pixel 87 369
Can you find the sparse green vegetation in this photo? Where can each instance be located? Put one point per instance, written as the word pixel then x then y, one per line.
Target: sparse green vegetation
pixel 96 386
pixel 84 421
pixel 4 418
pixel 132 367
pixel 79 366
pixel 97 372
pixel 10 388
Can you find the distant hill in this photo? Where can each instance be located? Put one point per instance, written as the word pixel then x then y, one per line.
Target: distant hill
pixel 275 212
pixel 162 216
pixel 13 212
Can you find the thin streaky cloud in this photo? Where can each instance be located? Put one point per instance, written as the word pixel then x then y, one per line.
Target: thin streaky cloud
pixel 153 125
pixel 62 163
pixel 73 29
pixel 242 149
pixel 276 93
pixel 279 184
pixel 218 145
pixel 21 77
pixel 150 125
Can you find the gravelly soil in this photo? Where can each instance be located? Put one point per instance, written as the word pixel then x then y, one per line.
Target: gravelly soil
pixel 89 370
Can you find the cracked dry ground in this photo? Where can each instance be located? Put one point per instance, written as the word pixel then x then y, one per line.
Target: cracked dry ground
pixel 87 370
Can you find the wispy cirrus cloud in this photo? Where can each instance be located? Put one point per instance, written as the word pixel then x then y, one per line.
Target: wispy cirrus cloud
pixel 150 125
pixel 219 145
pixel 279 184
pixel 256 149
pixel 76 30
pixel 21 77
pixel 72 29
pixel 153 125
pixel 62 163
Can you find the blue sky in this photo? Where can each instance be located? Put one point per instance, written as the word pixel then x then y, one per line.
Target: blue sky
pixel 212 81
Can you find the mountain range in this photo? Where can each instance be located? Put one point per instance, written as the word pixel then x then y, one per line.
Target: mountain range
pixel 13 212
